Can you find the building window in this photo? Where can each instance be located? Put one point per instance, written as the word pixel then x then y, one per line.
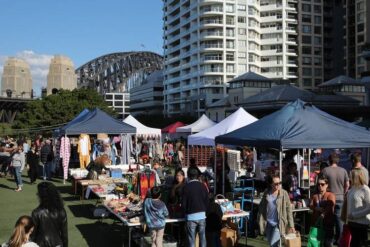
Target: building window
pixel 242 31
pixel 229 8
pixel 242 7
pixel 307 71
pixel 360 17
pixel 360 38
pixel 306 50
pixel 360 27
pixel 306 29
pixel 241 19
pixel 306 60
pixel 317 40
pixel 307 82
pixel 306 39
pixel 306 7
pixel 317 20
pixel 230 68
pixel 360 6
pixel 317 30
pixel 242 54
pixel 306 18
pixel 118 96
pixel 318 72
pixel 317 9
pixel 242 43
pixel 317 61
pixel 317 51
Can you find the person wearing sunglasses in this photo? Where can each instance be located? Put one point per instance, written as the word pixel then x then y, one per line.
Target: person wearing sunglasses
pixel 275 216
pixel 322 204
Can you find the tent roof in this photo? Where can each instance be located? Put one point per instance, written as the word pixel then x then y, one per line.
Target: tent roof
pixel 250 76
pixel 238 119
pixel 79 118
pixel 141 129
pixel 172 127
pixel 341 80
pixel 202 123
pixel 97 121
pixel 299 125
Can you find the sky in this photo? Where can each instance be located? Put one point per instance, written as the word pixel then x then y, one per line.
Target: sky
pixel 35 30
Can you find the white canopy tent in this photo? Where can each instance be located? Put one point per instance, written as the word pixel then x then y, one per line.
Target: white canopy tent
pixel 238 119
pixel 141 129
pixel 201 124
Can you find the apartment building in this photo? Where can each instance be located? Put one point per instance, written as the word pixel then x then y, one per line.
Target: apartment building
pixel 357 34
pixel 120 102
pixel 209 42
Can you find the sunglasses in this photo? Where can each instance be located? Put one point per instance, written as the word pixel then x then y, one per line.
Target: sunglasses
pixel 276 184
pixel 321 184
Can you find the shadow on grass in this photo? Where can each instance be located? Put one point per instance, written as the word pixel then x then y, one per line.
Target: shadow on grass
pixel 65 189
pixel 101 234
pixel 82 210
pixel 6 187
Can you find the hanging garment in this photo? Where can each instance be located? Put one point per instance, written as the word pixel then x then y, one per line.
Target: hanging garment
pixel 84 148
pixel 147 180
pixel 114 154
pixel 126 148
pixel 65 154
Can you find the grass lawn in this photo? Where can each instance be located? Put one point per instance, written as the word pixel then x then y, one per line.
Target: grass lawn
pixel 83 229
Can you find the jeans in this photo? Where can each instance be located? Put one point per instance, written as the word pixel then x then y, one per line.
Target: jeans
pixel 157 237
pixel 18 176
pixel 47 170
pixel 192 227
pixel 338 222
pixel 273 235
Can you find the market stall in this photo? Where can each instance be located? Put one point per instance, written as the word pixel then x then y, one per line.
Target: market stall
pixel 147 141
pixel 201 124
pixel 298 125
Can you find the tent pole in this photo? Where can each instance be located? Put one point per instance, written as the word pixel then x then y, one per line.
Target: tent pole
pixel 281 162
pixel 299 169
pixel 223 171
pixel 309 172
pixel 137 155
pixel 214 170
pixel 188 151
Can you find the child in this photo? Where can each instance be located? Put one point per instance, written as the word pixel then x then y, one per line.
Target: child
pixel 21 233
pixel 155 216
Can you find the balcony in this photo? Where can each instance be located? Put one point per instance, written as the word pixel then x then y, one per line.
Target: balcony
pixel 211 11
pixel 208 35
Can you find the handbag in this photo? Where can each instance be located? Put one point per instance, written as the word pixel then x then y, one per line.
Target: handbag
pixel 316 236
pixel 224 203
pixel 345 239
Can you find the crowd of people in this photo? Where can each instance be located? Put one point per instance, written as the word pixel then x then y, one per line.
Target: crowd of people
pixel 339 198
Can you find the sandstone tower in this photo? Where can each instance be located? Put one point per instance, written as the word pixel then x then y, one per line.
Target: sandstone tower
pixel 16 81
pixel 61 74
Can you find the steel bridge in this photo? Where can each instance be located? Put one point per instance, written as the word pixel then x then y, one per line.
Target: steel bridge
pixel 117 72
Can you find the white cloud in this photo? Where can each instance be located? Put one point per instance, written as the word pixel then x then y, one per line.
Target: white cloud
pixel 39 66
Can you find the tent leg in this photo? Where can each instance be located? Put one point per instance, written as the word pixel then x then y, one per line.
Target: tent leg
pixel 299 169
pixel 214 171
pixel 223 172
pixel 281 163
pixel 137 155
pixel 309 172
pixel 187 160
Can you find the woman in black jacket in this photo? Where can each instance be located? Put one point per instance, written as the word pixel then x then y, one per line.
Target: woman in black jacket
pixel 32 162
pixel 50 218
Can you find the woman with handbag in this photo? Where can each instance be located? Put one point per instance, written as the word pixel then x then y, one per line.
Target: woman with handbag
pixel 322 205
pixel 275 216
pixel 18 164
pixel 356 207
pixel 176 194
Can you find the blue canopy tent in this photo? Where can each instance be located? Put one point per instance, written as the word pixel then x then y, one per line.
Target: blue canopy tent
pixel 79 118
pixel 298 125
pixel 97 121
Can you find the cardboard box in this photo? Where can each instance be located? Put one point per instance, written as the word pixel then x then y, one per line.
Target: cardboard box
pixel 228 237
pixel 293 241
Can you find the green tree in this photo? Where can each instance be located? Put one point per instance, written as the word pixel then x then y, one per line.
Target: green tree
pixel 60 108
